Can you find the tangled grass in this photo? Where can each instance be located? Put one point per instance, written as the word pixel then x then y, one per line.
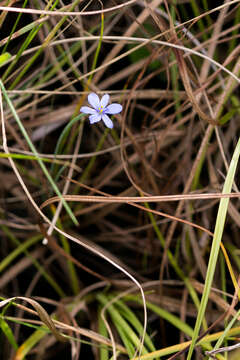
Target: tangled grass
pixel 120 243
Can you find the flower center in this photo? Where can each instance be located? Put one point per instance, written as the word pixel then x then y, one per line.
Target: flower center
pixel 100 109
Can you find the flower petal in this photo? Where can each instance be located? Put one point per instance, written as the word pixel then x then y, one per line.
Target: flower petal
pixel 104 101
pixel 88 110
pixel 113 109
pixel 107 121
pixel 93 100
pixel 94 118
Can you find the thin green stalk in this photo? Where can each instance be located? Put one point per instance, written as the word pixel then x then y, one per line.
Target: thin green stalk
pixel 25 44
pixel 32 147
pixel 89 79
pixel 63 138
pixel 71 267
pixel 7 331
pixel 101 142
pixel 61 62
pixel 129 337
pixel 31 341
pixel 44 45
pixel 217 238
pixel 19 250
pixel 98 48
pixel 129 316
pixel 206 8
pixel 93 158
pixel 164 314
pixel 103 351
pixel 33 157
pixel 226 330
pixel 174 264
pixel 40 268
pixel 200 22
pixel 223 286
pixel 14 28
pixel 23 30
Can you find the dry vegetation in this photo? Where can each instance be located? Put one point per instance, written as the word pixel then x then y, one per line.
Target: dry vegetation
pixel 94 222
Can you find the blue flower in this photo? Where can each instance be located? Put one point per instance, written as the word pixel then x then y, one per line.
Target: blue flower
pixel 100 109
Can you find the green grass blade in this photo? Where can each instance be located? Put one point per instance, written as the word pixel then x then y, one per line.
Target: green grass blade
pixel 32 147
pixel 129 337
pixel 14 27
pixel 40 268
pixel 129 315
pixel 221 216
pixel 20 249
pixel 63 137
pixel 103 351
pixel 4 57
pixel 32 340
pixel 8 333
pixel 225 332
pixel 164 314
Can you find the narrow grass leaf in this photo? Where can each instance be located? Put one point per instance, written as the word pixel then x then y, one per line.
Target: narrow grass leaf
pixel 4 57
pixel 217 238
pixel 129 337
pixel 129 315
pixel 8 333
pixel 32 147
pixel 103 351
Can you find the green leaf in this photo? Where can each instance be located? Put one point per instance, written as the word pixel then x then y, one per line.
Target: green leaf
pixel 217 238
pixel 4 57
pixel 8 332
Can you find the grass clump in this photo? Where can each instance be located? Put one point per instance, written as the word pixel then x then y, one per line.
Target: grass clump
pixel 119 243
